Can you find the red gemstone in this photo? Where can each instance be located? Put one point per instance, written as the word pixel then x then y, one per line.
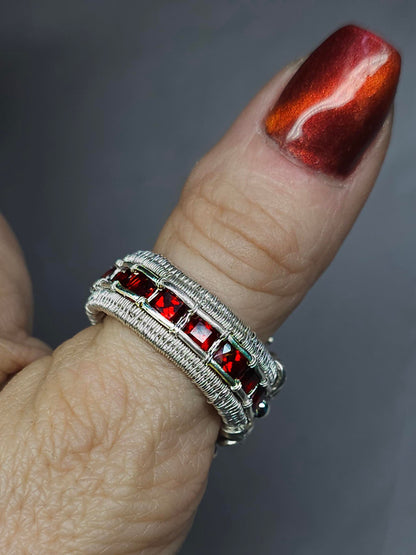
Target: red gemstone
pixel 141 285
pixel 108 272
pixel 201 332
pixel 249 381
pixel 258 397
pixel 231 360
pixel 122 277
pixel 136 283
pixel 169 305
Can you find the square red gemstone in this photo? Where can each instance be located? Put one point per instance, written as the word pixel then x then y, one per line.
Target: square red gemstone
pixel 249 381
pixel 122 277
pixel 201 332
pixel 231 360
pixel 169 305
pixel 258 397
pixel 141 285
pixel 136 283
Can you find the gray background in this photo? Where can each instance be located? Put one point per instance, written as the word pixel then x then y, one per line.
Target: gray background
pixel 105 106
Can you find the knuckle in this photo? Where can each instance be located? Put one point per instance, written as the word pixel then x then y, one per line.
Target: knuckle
pixel 99 430
pixel 256 245
pixel 78 413
pixel 93 402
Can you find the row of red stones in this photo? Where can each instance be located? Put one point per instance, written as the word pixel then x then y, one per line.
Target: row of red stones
pixel 231 360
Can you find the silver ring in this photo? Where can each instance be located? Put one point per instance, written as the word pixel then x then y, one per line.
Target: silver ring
pixel 193 328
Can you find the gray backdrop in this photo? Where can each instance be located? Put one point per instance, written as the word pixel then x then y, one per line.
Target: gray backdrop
pixel 105 106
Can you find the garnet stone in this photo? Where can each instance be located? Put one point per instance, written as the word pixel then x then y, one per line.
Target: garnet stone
pixel 249 381
pixel 136 283
pixel 231 360
pixel 258 397
pixel 169 305
pixel 201 332
pixel 123 276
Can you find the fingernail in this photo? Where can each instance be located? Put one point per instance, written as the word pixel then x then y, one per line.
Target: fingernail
pixel 336 102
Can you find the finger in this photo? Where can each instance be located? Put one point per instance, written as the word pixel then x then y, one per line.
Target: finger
pixel 115 433
pixel 259 227
pixel 17 347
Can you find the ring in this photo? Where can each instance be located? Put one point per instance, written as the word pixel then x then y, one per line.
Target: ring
pixel 223 357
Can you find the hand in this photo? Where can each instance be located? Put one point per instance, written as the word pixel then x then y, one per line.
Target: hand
pixel 106 444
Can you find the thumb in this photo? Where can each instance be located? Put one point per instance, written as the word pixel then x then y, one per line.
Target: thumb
pixel 111 442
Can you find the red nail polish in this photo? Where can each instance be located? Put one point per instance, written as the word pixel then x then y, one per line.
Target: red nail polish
pixel 336 102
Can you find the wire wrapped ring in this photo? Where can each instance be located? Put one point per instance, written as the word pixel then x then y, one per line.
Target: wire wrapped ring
pixel 193 328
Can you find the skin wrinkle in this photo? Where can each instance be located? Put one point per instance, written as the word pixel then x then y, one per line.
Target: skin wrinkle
pixel 98 383
pixel 258 207
pixel 321 251
pixel 288 233
pixel 181 233
pixel 258 247
pixel 195 226
pixel 290 298
pixel 162 473
pixel 223 244
pixel 254 184
pixel 305 261
pixel 67 432
pixel 189 248
pixel 217 269
pixel 71 551
pixel 151 534
pixel 282 265
pixel 88 445
pixel 176 236
pixel 218 201
pixel 14 502
pixel 219 210
pixel 211 187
